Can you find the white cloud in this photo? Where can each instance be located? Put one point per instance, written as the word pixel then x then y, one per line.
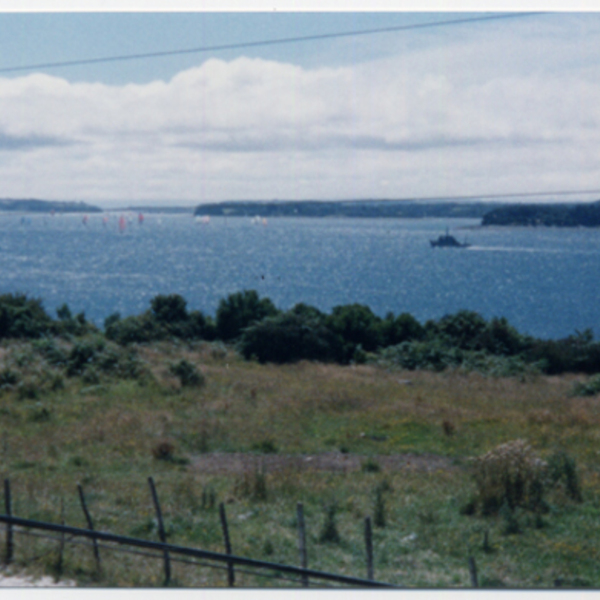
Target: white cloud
pixel 465 118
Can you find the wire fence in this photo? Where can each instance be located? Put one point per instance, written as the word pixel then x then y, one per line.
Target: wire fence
pixel 170 553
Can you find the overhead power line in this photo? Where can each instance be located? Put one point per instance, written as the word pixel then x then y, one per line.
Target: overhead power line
pixel 507 195
pixel 292 40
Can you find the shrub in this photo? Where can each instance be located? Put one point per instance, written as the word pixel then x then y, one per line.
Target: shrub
pixel 187 373
pixel 68 324
pixel 83 353
pixel 509 474
pixel 8 377
pixel 51 351
pixel 112 319
pixel 590 388
pixel 138 329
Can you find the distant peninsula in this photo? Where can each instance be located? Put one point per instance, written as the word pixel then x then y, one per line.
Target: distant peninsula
pixel 46 206
pixel 548 215
pixel 402 209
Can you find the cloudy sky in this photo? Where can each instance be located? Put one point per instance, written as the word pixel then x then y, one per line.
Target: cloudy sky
pixel 473 109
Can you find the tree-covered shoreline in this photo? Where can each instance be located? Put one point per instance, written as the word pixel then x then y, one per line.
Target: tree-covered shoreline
pixel 349 334
pixel 546 215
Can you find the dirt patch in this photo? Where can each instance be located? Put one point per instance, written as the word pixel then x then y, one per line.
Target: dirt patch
pixel 238 462
pixel 27 581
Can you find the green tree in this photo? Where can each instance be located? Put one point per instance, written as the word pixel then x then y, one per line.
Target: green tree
pixel 169 309
pixel 239 310
pixel 23 317
pixel 358 326
pixel 289 337
pixel 403 328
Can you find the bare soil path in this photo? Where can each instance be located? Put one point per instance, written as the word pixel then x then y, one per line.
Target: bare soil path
pixel 239 462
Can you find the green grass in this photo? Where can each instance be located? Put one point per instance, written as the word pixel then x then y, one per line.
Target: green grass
pixel 102 436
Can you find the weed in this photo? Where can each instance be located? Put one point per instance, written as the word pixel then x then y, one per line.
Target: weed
pixel 209 498
pixel 511 524
pixel 562 470
pixel 370 466
pixel 448 428
pixel 164 450
pixel 510 473
pixel 329 533
pixel 265 447
pixel 268 549
pixel 252 484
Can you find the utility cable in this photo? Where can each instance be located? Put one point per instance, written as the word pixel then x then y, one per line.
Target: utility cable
pixel 273 42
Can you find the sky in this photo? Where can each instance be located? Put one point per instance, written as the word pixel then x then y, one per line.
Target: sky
pixel 508 106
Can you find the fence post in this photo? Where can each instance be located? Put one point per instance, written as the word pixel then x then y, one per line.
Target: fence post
pixel 90 524
pixel 473 572
pixel 9 527
pixel 161 530
pixel 230 571
pixel 302 541
pixel 369 548
pixel 61 547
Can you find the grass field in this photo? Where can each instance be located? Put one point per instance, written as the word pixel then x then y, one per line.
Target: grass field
pixel 109 432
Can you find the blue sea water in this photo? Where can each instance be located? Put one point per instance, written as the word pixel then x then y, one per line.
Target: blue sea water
pixel 545 281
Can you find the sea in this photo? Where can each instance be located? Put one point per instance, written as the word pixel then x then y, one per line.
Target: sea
pixel 545 281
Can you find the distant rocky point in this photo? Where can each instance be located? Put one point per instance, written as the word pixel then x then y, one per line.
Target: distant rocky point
pixel 46 206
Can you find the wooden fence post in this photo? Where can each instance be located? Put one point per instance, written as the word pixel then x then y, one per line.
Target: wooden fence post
pixel 369 548
pixel 90 524
pixel 61 547
pixel 302 541
pixel 230 571
pixel 161 530
pixel 9 527
pixel 473 572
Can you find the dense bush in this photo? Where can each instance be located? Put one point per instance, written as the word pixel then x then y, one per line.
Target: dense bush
pixel 69 325
pixel 22 317
pixel 188 374
pixel 136 329
pixel 93 354
pixel 240 310
pixel 296 335
pixel 577 353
